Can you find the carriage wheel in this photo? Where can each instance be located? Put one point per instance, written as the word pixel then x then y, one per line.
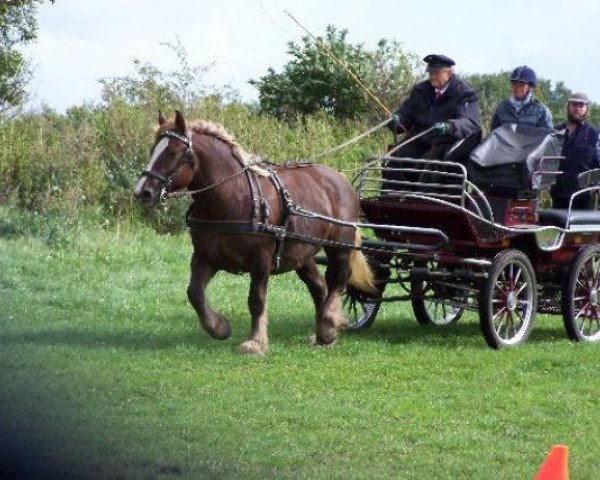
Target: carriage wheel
pixel 581 297
pixel 360 310
pixel 507 303
pixel 429 308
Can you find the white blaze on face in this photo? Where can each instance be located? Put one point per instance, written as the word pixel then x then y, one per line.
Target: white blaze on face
pixel 158 150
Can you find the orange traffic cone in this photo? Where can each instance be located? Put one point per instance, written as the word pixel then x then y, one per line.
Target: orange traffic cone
pixel 556 466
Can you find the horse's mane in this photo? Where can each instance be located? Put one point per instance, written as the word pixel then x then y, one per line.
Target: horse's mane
pixel 217 131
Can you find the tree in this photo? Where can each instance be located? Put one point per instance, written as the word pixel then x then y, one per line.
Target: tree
pixel 155 89
pixel 18 26
pixel 312 81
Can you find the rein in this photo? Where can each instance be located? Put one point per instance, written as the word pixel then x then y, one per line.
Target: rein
pixel 245 168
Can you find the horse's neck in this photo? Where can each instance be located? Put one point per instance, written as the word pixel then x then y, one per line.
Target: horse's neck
pixel 225 190
pixel 215 161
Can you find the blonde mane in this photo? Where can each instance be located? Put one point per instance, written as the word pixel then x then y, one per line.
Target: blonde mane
pixel 217 131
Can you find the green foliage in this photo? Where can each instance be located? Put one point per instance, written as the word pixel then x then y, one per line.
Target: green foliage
pixel 18 26
pixel 555 97
pixel 313 82
pixel 90 158
pixel 491 89
pixel 153 90
pixel 48 160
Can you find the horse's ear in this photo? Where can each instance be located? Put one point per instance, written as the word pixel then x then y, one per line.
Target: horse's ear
pixel 180 122
pixel 161 119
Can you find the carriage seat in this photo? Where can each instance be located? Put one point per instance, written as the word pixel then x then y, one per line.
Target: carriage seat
pixel 558 217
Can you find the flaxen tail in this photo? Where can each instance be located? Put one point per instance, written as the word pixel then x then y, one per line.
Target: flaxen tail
pixel 362 277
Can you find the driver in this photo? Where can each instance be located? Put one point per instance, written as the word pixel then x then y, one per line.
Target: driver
pixel 443 102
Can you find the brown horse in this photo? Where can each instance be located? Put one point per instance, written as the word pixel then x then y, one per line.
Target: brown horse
pixel 240 221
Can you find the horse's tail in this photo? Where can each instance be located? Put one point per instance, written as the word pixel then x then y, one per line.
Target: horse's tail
pixel 362 277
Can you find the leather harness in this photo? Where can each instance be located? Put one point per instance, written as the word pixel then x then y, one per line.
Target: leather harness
pixel 259 223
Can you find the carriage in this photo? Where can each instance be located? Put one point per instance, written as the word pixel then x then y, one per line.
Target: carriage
pixel 486 246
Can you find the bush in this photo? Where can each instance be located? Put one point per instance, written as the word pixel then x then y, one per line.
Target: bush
pixel 87 161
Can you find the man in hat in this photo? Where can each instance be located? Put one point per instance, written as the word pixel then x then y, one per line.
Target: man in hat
pixel 581 151
pixel 443 102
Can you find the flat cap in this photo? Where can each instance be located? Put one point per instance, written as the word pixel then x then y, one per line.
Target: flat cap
pixel 579 97
pixel 435 62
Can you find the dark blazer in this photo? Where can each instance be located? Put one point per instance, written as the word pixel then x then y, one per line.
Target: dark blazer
pixel 458 105
pixel 581 154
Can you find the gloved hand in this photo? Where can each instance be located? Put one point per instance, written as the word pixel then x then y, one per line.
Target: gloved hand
pixel 441 128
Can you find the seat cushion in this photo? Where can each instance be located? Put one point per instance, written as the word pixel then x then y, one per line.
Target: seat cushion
pixel 558 217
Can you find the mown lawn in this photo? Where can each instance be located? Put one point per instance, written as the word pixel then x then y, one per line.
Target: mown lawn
pixel 105 374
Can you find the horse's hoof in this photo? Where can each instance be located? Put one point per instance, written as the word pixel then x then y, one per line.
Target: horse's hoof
pixel 219 328
pixel 252 347
pixel 342 324
pixel 328 342
pixel 222 334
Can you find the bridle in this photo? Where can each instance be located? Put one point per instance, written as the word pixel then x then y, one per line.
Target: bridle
pixel 165 181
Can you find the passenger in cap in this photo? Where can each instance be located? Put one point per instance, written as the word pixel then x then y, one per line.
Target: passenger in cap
pixel 581 152
pixel 443 102
pixel 521 107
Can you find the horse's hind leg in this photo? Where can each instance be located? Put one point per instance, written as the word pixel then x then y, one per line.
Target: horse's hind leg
pixel 258 343
pixel 216 325
pixel 332 320
pixel 312 278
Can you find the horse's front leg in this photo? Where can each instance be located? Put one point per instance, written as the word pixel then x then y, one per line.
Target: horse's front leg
pixel 258 343
pixel 215 324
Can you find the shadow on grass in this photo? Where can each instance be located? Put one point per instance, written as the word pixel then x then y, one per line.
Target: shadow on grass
pixel 289 331
pixel 460 334
pixel 406 332
pixel 117 338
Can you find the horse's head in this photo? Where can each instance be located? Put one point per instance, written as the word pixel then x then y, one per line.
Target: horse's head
pixel 172 163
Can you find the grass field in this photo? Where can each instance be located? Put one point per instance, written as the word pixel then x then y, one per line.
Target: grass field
pixel 105 374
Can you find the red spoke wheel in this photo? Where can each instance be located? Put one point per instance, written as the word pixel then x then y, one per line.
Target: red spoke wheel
pixel 508 300
pixel 581 296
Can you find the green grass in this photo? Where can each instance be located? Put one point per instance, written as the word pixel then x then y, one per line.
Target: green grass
pixel 105 373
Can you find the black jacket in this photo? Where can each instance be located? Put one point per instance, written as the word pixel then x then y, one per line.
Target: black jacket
pixel 581 154
pixel 458 105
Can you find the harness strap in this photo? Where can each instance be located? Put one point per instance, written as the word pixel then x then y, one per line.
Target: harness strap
pixel 260 216
pixel 157 176
pixel 288 208
pixel 222 226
